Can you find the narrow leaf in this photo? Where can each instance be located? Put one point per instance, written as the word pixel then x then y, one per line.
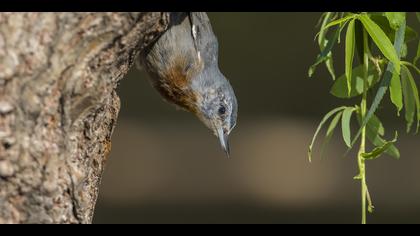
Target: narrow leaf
pixel 358 28
pixel 399 39
pixel 326 117
pixel 376 126
pixel 345 125
pixel 417 55
pixel 330 131
pixel 330 66
pixel 395 19
pixel 323 32
pixel 408 64
pixel 377 152
pixel 350 42
pixel 409 103
pixel 322 18
pixel 381 40
pixel 323 41
pixel 339 21
pixel 383 23
pixel 325 19
pixel 342 26
pixel 410 34
pixel 325 54
pixel 415 93
pixel 340 89
pixel 404 50
pixel 418 16
pixel 374 131
pixel 396 92
pixel 391 150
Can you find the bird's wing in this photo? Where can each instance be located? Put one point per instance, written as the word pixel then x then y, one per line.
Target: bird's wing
pixel 205 41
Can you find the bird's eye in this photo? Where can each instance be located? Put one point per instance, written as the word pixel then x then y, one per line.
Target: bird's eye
pixel 222 110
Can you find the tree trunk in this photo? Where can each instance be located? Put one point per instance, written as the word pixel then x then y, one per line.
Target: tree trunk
pixel 58 107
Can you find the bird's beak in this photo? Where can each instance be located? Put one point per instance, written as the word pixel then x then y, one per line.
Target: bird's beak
pixel 224 140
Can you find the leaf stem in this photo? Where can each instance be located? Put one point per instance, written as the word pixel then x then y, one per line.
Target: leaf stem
pixel 363 109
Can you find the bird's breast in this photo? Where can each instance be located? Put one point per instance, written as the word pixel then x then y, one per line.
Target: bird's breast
pixel 174 83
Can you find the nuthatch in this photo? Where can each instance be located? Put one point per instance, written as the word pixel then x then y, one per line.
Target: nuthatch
pixel 183 66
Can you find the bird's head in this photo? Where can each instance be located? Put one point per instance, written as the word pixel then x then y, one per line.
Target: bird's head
pixel 216 104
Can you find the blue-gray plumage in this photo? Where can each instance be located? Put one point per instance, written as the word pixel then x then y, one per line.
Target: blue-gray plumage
pixel 183 67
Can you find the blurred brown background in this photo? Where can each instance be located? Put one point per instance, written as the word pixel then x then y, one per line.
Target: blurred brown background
pixel 166 167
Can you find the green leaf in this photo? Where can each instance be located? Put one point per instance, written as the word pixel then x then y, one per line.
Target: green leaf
pixel 417 54
pixel 381 41
pixel 325 18
pixel 323 41
pixel 345 125
pixel 359 40
pixel 330 66
pixel 374 131
pixel 330 131
pixel 410 34
pixel 325 53
pixel 404 50
pixel 396 92
pixel 340 90
pixel 391 150
pixel 322 18
pixel 415 93
pixel 379 150
pixel 418 16
pixel 326 117
pixel 409 103
pixel 406 63
pixel 399 39
pixel 376 126
pixel 350 38
pixel 384 24
pixel 323 32
pixel 339 21
pixel 395 19
pixel 342 26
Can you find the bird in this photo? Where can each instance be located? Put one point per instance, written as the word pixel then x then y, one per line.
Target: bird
pixel 182 65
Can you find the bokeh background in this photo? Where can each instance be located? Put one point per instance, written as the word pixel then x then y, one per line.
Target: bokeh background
pixel 166 167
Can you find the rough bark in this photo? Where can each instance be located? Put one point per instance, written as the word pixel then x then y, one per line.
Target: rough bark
pixel 58 107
